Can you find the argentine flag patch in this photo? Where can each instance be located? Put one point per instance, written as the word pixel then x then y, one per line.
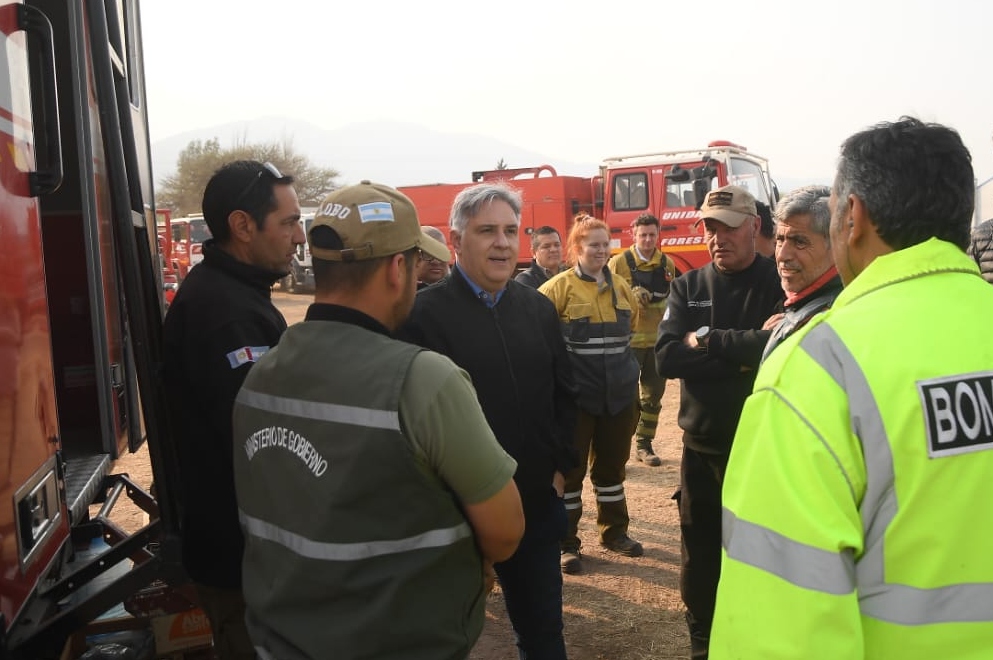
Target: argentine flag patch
pixel 376 212
pixel 246 354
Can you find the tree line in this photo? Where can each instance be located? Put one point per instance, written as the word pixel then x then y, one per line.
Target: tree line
pixel 182 191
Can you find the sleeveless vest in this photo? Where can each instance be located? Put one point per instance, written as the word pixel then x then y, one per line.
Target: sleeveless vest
pixel 353 548
pixel 657 281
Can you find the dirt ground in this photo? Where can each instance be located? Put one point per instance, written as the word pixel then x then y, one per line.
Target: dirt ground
pixel 620 608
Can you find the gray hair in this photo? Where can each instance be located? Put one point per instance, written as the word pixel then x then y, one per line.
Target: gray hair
pixel 470 201
pixel 810 200
pixel 434 233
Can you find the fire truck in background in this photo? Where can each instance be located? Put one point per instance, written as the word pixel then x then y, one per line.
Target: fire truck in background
pixel 188 236
pixel 670 185
pixel 180 243
pixel 170 269
pixel 80 322
pixel 548 199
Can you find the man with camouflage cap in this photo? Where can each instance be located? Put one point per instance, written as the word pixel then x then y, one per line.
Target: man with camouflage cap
pixel 370 488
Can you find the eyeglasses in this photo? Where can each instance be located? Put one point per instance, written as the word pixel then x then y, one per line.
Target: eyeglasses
pixel 267 167
pixel 424 256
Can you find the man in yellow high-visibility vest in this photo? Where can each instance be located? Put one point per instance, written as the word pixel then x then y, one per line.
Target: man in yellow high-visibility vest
pixel 857 519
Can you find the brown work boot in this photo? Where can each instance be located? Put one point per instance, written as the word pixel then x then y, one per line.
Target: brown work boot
pixel 646 454
pixel 571 562
pixel 624 545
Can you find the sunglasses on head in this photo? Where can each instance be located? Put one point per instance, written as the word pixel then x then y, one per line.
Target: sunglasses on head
pixel 267 168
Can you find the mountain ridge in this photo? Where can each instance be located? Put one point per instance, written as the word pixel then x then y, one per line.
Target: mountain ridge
pixel 416 154
pixel 389 152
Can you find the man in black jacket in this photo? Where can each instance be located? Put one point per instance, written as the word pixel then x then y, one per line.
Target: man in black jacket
pixel 221 321
pixel 711 338
pixel 506 336
pixel 546 250
pixel 803 259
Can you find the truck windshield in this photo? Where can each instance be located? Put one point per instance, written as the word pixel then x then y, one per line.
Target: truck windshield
pixel 199 231
pixel 749 175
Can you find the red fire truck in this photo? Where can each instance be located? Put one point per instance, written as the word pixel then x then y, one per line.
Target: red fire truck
pixel 80 320
pixel 549 199
pixel 670 185
pixel 187 238
pixel 170 268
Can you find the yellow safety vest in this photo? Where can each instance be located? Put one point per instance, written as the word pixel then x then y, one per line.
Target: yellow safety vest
pixel 858 502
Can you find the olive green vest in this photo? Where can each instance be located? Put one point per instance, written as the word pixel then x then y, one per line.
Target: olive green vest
pixel 353 548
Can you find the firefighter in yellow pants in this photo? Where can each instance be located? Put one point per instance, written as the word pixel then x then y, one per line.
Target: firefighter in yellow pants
pixel 649 271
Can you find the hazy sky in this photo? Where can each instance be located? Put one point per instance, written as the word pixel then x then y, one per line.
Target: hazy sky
pixel 581 80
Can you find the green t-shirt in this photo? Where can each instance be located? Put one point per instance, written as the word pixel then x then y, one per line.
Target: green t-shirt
pixel 440 414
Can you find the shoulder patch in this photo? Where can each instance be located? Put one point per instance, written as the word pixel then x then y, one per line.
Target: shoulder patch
pixel 958 412
pixel 246 354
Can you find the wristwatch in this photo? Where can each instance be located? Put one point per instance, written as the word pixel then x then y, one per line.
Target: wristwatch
pixel 702 335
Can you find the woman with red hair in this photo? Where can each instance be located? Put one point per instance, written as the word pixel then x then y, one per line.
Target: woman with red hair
pixel 596 311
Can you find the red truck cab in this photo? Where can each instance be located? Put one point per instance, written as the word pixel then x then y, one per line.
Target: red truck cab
pixel 671 186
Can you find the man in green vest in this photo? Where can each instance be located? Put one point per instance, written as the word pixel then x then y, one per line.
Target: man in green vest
pixel 372 493
pixel 857 521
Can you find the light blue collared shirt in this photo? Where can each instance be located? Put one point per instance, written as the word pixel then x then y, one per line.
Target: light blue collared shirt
pixel 490 300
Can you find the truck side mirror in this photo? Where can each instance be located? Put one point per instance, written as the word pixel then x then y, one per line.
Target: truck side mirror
pixel 677 174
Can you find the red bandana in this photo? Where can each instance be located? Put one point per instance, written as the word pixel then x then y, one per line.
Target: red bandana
pixel 792 298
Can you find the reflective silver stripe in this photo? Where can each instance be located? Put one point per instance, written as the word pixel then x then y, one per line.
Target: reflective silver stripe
pixel 797 563
pixel 879 504
pixel 324 412
pixel 618 339
pixel 912 606
pixel 572 506
pixel 573 494
pixel 895 603
pixel 597 351
pixel 602 497
pixel 304 547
